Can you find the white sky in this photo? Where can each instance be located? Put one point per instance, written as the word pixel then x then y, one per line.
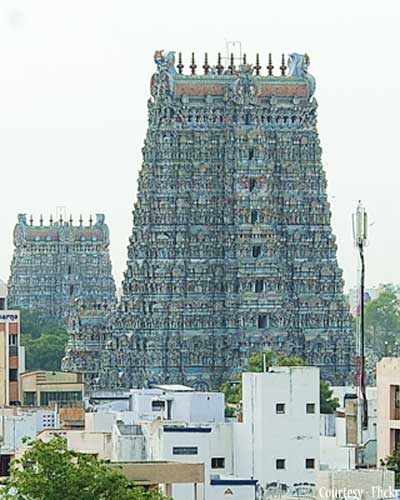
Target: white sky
pixel 74 84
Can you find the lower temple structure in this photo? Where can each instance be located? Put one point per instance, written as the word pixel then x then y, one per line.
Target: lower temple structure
pixel 232 250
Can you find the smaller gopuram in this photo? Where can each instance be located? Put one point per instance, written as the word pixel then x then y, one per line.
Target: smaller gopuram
pixel 86 326
pixel 54 264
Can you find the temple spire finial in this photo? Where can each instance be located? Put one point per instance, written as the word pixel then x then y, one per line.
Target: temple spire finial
pixel 193 65
pixel 231 66
pixel 270 66
pixel 31 220
pixel 219 66
pixel 244 59
pixel 257 66
pixel 41 220
pixel 90 220
pixel 206 66
pixel 180 65
pixel 80 220
pixel 283 67
pixel 70 219
pixel 51 219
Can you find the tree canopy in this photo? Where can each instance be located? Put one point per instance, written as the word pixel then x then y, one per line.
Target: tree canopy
pixel 49 471
pixel 392 462
pixel 44 341
pixel 382 323
pixel 327 402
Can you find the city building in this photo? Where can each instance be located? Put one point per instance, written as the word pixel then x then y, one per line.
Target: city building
pixel 232 248
pixel 177 402
pixel 17 423
pixel 275 447
pixel 279 439
pixel 12 355
pixel 43 388
pixel 387 406
pixel 56 263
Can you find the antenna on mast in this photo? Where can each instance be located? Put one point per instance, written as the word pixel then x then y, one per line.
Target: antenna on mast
pixel 360 235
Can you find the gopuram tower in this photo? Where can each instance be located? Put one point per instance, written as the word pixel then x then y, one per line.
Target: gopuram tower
pixel 232 250
pixel 57 263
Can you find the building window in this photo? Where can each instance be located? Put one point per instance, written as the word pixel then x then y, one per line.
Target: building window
pixel 251 151
pixel 254 216
pixel 13 374
pixel 29 398
pixel 280 463
pixel 280 408
pixel 310 408
pixel 259 286
pixel 184 450
pixel 310 463
pixel 256 251
pixel 394 439
pixel 157 405
pixel 252 184
pixel 218 463
pixel 48 397
pixel 12 340
pixel 394 402
pixel 262 321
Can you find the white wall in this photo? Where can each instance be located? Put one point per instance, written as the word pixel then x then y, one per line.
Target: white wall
pixel 14 428
pixel 194 407
pixel 266 436
pixel 334 456
pixel 214 444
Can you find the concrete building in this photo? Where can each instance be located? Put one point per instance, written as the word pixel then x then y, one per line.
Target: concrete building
pixel 278 441
pixel 388 406
pixel 276 449
pixel 177 402
pixel 17 423
pixel 42 388
pixel 12 357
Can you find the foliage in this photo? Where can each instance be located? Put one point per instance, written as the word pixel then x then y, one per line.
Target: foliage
pixel 49 471
pixel 256 361
pixel 44 341
pixel 327 402
pixel 382 322
pixel 392 462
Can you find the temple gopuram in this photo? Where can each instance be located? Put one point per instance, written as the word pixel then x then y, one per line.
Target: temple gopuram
pixel 57 263
pixel 232 250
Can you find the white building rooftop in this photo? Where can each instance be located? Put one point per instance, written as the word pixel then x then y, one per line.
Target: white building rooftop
pixel 173 388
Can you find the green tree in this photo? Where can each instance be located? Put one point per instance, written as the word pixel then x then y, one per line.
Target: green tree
pixel 392 462
pixel 256 361
pixel 382 322
pixel 49 471
pixel 327 402
pixel 44 341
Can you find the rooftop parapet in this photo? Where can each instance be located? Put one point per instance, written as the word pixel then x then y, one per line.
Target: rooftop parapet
pixel 60 230
pixel 235 79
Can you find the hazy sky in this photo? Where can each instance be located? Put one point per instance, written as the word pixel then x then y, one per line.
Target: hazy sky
pixel 74 84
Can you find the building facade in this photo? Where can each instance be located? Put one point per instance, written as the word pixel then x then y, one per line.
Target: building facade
pixel 56 263
pixel 232 249
pixel 12 355
pixel 43 388
pixel 387 407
